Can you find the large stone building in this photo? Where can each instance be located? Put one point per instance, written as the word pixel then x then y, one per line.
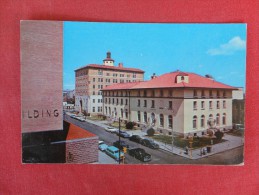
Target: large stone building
pixel 175 102
pixel 92 78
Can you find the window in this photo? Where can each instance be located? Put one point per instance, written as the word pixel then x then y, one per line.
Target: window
pixel 161 117
pixel 195 105
pixel 109 100
pixel 126 102
pixel 224 104
pixel 99 109
pixel 126 113
pixel 121 101
pixel 121 113
pixel 145 103
pixel 134 75
pixel 109 111
pixel 107 74
pixel 139 116
pixel 152 103
pixel 210 104
pixel 202 105
pixel 138 93
pixel 145 117
pixel 203 94
pixel 93 79
pixel 211 94
pixel 93 92
pixel 224 119
pixel 93 86
pixel 194 122
pixel 170 121
pixel 202 121
pixel 106 111
pixel 170 106
pixel 153 93
pixel 113 100
pixel 161 93
pixel 224 94
pixel 93 100
pixel 138 103
pixel 145 93
pixel 218 93
pixel 100 72
pixel 170 93
pixel 105 100
pixel 217 119
pixel 195 94
pixel 218 105
pixel 117 101
pixel 93 109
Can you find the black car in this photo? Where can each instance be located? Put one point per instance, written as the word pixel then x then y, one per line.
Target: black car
pixel 123 134
pixel 149 143
pixel 120 144
pixel 135 138
pixel 140 154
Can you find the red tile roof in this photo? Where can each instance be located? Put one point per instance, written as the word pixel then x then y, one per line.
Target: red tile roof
pixel 168 80
pixel 111 68
pixel 75 132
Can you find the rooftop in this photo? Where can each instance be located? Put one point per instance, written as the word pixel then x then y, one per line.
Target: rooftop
pixel 100 66
pixel 168 80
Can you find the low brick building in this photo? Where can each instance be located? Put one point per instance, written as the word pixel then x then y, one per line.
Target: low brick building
pixel 70 145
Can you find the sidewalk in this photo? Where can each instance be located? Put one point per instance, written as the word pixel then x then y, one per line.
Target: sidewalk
pixel 232 142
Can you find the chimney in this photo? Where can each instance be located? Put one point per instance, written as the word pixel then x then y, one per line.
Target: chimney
pixel 120 65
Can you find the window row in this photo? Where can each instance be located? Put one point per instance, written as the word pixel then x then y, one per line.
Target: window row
pixel 98 100
pixel 210 93
pixel 211 121
pixel 162 119
pixel 99 109
pixel 211 106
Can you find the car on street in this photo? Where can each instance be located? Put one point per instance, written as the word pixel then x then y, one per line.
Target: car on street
pixel 80 118
pixel 113 152
pixel 135 138
pixel 120 144
pixel 140 154
pixel 149 143
pixel 111 129
pixel 102 146
pixel 123 134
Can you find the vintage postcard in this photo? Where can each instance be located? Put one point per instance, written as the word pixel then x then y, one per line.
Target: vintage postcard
pixel 133 93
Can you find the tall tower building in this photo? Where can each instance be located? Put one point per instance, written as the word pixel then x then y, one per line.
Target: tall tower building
pixel 92 78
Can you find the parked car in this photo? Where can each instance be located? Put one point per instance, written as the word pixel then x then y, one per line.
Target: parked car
pixel 80 118
pixel 135 138
pixel 113 152
pixel 149 143
pixel 140 154
pixel 111 129
pixel 102 146
pixel 120 144
pixel 123 134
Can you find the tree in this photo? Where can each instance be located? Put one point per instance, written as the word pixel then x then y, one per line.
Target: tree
pixel 129 125
pixel 150 132
pixel 219 135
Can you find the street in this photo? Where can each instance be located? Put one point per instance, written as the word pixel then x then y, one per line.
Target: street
pixel 229 157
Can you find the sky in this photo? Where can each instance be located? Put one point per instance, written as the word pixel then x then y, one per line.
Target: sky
pixel 215 49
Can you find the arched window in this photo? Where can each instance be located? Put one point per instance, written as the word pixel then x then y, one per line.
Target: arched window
pixel 161 116
pixel 139 116
pixel 202 120
pixel 217 119
pixel 145 117
pixel 224 119
pixel 194 122
pixel 170 121
pixel 121 113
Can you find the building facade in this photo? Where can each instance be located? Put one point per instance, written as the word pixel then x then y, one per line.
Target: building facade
pixel 176 102
pixel 91 79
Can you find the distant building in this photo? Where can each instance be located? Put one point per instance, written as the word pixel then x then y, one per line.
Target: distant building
pixel 238 107
pixel 176 102
pixel 68 95
pixel 91 79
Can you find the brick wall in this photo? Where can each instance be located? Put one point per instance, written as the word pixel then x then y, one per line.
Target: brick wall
pixel 82 150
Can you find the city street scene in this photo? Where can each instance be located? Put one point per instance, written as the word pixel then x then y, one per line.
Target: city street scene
pixel 136 93
pixel 158 93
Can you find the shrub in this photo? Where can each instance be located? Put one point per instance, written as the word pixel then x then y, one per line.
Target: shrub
pixel 150 132
pixel 129 125
pixel 219 135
